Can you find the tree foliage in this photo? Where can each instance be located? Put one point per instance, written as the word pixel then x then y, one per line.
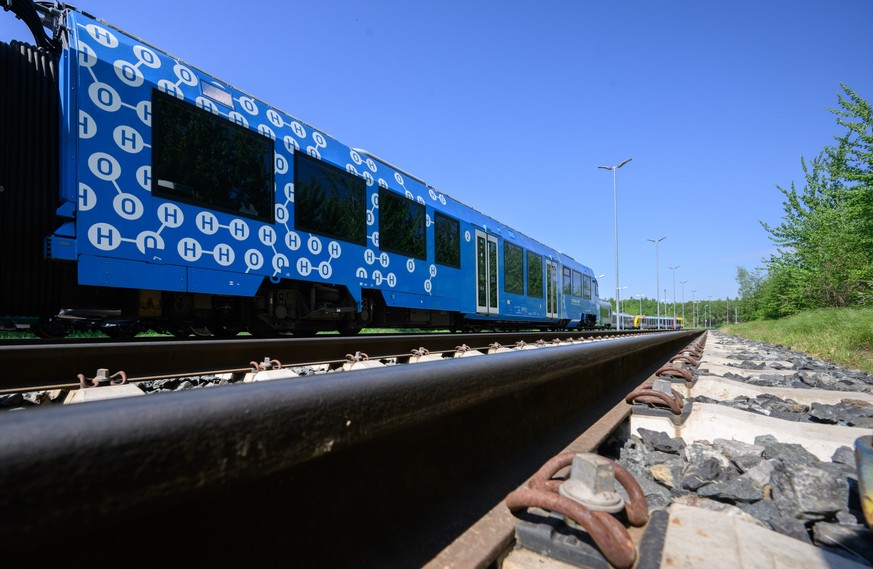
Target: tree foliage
pixel 697 312
pixel 825 238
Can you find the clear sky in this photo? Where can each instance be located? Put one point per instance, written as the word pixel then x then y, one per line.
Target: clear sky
pixel 510 107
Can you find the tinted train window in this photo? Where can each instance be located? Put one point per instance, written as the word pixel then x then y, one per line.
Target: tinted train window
pixel 513 268
pixel 447 234
pixel 534 275
pixel 202 158
pixel 586 294
pixel 568 284
pixel 577 283
pixel 401 225
pixel 329 201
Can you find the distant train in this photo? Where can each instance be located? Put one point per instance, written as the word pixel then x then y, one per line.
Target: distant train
pixel 139 192
pixel 640 322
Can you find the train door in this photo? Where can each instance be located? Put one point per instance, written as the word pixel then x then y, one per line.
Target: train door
pixel 552 287
pixel 486 273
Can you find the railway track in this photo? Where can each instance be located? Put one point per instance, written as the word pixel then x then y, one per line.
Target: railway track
pixel 437 465
pixel 54 364
pixel 373 468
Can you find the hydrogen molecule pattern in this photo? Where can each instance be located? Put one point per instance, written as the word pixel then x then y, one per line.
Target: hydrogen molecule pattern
pixel 121 219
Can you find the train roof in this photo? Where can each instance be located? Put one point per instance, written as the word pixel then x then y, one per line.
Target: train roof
pixel 53 9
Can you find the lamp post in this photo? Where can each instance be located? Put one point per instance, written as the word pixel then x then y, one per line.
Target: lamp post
pixel 641 303
pixel 657 277
pixel 674 289
pixel 683 301
pixel 622 302
pixel 709 310
pixel 665 305
pixel 694 306
pixel 615 219
pixel 597 285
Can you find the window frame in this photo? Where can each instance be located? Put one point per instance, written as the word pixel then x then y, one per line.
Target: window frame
pixel 163 186
pixel 421 233
pixel 437 217
pixel 350 193
pixel 513 278
pixel 538 275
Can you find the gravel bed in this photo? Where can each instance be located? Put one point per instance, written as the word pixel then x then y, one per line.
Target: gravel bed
pixel 779 486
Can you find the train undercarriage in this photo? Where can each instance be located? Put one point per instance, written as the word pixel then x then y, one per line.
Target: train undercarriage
pixel 284 309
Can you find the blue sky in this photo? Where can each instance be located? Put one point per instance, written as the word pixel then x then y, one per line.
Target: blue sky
pixel 510 108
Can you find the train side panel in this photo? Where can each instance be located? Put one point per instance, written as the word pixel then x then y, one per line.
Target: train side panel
pixel 174 182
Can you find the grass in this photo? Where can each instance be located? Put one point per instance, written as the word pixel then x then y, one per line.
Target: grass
pixel 843 336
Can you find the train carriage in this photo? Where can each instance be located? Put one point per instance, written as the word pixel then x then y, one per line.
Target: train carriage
pixel 177 202
pixel 658 323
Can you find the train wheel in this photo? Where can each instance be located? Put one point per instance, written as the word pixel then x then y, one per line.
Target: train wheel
pixel 201 331
pixel 180 331
pixel 120 332
pixel 223 330
pixel 49 327
pixel 346 328
pixel 304 331
pixel 260 329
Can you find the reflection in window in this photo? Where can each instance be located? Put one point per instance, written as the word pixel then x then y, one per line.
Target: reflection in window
pixel 401 225
pixel 447 236
pixel 577 283
pixel 329 201
pixel 481 272
pixel 534 275
pixel 568 284
pixel 587 291
pixel 513 268
pixel 492 274
pixel 202 158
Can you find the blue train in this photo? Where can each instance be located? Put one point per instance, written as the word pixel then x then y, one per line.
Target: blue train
pixel 144 193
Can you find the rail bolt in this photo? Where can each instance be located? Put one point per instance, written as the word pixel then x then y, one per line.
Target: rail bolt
pixel 664 386
pixel 102 376
pixel 592 484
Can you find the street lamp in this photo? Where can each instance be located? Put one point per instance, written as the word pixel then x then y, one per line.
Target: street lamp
pixel 657 277
pixel 615 214
pixel 622 303
pixel 665 304
pixel 641 304
pixel 694 306
pixel 683 301
pixel 674 289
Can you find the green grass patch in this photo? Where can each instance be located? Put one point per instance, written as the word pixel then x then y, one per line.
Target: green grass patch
pixel 843 336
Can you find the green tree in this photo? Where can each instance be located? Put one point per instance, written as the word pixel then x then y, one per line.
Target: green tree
pixel 825 239
pixel 749 292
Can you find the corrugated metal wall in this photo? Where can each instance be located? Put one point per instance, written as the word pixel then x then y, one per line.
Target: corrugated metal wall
pixel 29 132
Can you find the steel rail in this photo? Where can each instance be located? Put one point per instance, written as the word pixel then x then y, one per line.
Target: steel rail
pixel 33 364
pixel 301 459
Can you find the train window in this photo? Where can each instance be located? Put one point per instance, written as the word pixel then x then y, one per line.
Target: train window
pixel 513 268
pixel 447 240
pixel 577 283
pixel 586 291
pixel 568 281
pixel 534 275
pixel 204 159
pixel 401 225
pixel 329 201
